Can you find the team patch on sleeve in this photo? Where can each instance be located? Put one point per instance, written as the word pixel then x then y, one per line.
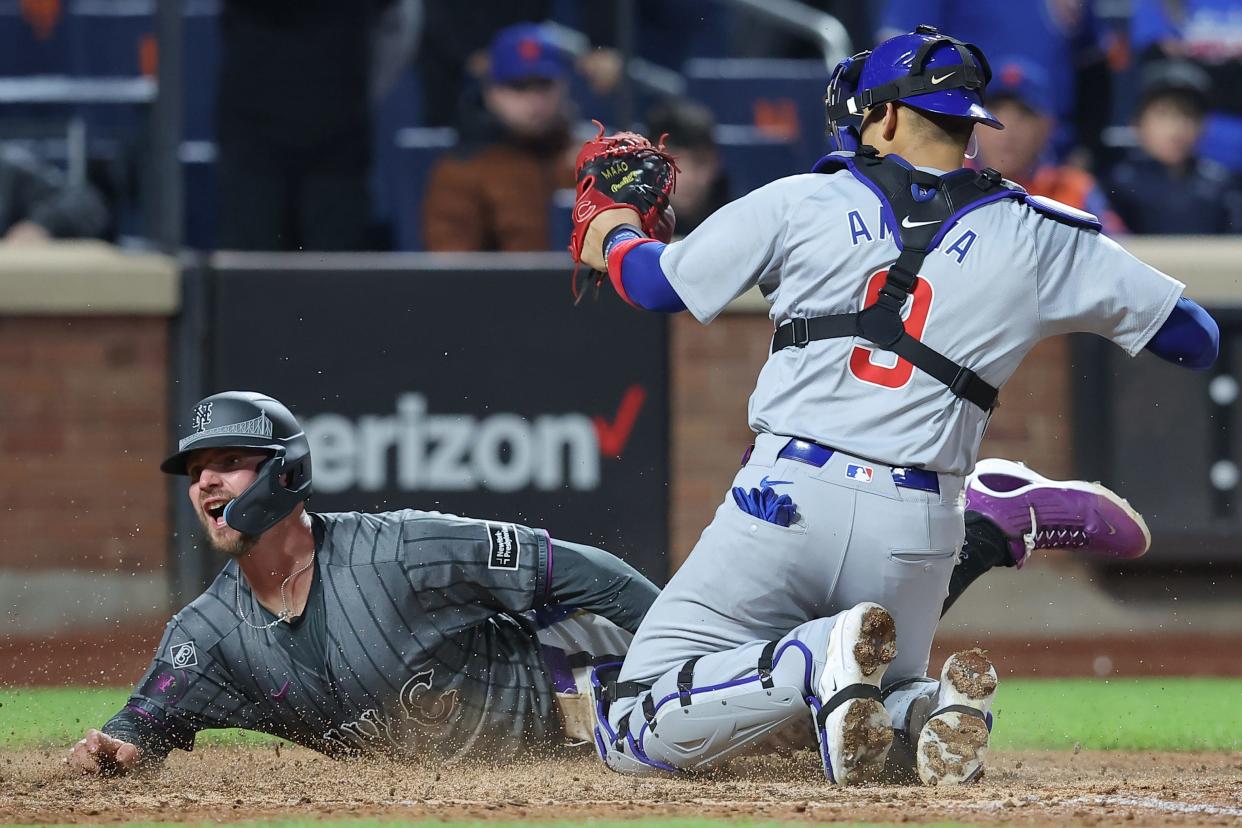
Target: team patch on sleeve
pixel 503 549
pixel 183 655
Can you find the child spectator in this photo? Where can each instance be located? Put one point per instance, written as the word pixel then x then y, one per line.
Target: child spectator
pixel 1164 185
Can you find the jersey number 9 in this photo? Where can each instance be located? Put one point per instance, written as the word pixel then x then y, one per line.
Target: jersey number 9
pixel 862 359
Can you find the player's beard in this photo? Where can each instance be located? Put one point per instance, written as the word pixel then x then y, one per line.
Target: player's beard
pixel 226 541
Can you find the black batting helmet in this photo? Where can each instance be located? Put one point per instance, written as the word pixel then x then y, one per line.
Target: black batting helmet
pixel 247 419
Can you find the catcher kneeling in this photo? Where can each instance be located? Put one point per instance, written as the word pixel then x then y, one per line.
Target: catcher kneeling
pixel 417 634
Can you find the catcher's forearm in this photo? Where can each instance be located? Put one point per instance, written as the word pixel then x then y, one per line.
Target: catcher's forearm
pixel 634 268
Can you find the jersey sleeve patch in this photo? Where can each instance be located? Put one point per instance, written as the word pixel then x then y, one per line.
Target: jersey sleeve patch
pixel 1063 212
pixel 504 551
pixel 183 654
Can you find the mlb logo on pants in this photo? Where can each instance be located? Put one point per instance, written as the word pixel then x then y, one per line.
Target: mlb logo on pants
pixel 860 473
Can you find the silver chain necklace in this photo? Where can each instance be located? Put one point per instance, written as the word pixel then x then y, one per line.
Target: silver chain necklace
pixel 285 613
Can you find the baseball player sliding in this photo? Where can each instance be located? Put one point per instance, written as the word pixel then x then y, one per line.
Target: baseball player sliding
pixel 398 633
pixel 905 291
pixel 415 633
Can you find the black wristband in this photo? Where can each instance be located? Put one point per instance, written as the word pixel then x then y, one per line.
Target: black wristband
pixel 619 234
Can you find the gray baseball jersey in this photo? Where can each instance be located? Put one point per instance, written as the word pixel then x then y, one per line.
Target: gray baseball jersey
pixel 1004 277
pixel 425 644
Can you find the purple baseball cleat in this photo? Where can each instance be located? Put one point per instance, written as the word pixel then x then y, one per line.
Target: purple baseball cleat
pixel 1037 513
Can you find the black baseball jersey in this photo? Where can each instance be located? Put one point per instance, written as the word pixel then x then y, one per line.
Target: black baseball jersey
pixel 423 645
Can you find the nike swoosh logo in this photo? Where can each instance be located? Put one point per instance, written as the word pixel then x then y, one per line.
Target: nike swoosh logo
pixel 910 225
pixel 280 694
pixel 767 484
pixel 938 80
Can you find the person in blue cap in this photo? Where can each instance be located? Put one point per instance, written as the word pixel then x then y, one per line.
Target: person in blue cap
pixel 494 192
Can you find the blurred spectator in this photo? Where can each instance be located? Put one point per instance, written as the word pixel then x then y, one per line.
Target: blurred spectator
pixel 1060 36
pixel 454 48
pixel 37 203
pixel 1163 186
pixel 294 124
pixel 702 186
pixel 1022 98
pixel 1209 33
pixel 453 54
pixel 495 191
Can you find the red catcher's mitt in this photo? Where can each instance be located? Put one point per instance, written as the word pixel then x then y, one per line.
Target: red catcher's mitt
pixel 623 170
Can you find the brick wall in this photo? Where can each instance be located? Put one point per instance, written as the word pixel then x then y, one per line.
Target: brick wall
pixel 714 370
pixel 83 427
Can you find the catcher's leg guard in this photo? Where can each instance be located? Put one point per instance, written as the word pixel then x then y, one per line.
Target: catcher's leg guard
pixel 953 744
pixel 852 726
pixel 678 726
pixel 709 731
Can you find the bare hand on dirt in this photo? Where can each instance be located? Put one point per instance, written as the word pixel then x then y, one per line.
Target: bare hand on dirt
pixel 101 754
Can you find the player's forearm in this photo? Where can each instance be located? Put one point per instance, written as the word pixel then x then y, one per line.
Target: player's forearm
pixel 1190 337
pixel 593 580
pixel 634 268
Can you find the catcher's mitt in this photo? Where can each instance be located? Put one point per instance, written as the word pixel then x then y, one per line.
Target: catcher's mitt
pixel 622 170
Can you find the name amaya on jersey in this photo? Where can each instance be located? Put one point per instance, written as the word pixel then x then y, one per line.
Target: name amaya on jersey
pixel 956 245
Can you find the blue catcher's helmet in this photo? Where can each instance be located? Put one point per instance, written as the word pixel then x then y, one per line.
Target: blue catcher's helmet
pixel 924 69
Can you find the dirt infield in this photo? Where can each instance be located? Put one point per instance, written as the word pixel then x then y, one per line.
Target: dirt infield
pixel 119 657
pixel 231 784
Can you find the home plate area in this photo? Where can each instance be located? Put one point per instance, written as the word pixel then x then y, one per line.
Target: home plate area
pixel 233 784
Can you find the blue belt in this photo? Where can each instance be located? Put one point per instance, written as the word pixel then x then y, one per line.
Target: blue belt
pixel 813 454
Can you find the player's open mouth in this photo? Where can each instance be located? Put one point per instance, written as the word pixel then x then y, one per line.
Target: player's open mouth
pixel 215 511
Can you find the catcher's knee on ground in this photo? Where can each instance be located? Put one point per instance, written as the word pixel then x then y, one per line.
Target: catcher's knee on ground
pixel 695 728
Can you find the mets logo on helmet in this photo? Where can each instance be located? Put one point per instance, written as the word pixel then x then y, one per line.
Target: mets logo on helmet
pixel 202 416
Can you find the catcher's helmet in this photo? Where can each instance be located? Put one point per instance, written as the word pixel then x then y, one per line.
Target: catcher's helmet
pixel 924 69
pixel 246 419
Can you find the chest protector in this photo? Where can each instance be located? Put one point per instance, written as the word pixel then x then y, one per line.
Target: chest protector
pixel 920 208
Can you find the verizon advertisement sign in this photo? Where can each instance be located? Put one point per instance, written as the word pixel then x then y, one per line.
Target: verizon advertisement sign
pixel 414 449
pixel 477 392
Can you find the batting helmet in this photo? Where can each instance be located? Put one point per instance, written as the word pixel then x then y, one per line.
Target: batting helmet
pixel 246 419
pixel 924 69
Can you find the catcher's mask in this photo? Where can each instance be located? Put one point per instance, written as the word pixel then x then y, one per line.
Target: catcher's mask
pixel 246 419
pixel 923 69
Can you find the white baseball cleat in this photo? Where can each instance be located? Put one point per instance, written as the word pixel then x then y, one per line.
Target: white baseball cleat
pixel 852 726
pixel 953 744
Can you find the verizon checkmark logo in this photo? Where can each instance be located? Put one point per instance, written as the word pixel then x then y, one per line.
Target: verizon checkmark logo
pixel 613 436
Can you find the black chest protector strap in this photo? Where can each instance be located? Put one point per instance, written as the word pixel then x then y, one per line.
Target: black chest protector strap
pixel 922 206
